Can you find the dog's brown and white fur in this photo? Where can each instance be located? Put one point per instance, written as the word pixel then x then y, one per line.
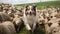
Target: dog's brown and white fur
pixel 30 17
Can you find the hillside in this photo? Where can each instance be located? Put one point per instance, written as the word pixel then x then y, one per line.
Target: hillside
pixel 43 4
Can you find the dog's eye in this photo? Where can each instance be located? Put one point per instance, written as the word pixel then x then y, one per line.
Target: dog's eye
pixel 32 9
pixel 34 13
pixel 26 13
pixel 27 9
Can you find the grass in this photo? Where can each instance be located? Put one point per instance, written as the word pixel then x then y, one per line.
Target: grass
pixel 23 31
pixel 39 30
pixel 39 6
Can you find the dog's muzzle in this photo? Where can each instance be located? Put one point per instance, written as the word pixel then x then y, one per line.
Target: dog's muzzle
pixel 30 13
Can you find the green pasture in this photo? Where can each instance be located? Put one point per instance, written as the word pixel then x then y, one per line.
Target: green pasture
pixel 43 4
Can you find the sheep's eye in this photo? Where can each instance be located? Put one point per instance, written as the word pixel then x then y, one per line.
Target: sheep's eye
pixel 51 16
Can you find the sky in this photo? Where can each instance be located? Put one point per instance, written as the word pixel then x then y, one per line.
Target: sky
pixel 23 1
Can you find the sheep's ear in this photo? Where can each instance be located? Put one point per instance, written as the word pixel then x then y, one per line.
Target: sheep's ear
pixel 59 22
pixel 49 24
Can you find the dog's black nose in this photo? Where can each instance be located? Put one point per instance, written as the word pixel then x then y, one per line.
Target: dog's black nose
pixel 30 13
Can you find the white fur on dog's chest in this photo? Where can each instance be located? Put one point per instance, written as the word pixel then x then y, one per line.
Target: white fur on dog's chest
pixel 31 19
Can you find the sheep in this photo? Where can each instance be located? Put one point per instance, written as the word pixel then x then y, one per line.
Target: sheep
pixel 7 27
pixel 53 26
pixel 18 22
pixel 4 17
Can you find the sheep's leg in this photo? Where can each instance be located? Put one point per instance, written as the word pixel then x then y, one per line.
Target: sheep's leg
pixel 47 29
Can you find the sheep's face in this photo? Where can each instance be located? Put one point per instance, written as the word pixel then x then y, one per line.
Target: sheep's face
pixel 54 27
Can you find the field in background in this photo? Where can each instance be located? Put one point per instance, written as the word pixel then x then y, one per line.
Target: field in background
pixel 42 4
pixel 39 5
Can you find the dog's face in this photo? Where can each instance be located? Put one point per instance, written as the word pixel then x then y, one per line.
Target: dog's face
pixel 30 10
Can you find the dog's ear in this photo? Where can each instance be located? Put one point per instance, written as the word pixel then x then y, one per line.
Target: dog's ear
pixel 26 7
pixel 34 7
